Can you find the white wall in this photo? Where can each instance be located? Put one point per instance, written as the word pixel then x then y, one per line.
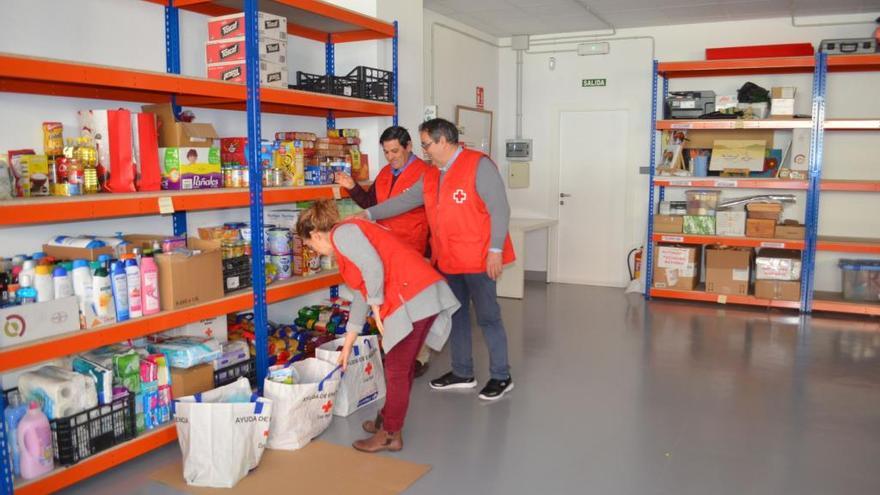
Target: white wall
pixel 628 70
pixel 131 34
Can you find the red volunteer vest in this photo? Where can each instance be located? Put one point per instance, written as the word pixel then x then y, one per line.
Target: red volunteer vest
pixel 407 273
pixel 412 226
pixel 461 228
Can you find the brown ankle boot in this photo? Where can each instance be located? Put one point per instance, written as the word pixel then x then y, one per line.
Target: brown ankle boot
pixel 373 425
pixel 382 440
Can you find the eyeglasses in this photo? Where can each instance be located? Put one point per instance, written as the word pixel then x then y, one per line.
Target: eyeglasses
pixel 426 145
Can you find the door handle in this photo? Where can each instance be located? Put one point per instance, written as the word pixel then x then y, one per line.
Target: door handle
pixel 563 195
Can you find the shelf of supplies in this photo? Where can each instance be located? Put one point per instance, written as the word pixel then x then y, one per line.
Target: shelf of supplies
pixel 731 182
pixel 63 477
pixel 729 241
pixel 863 245
pixel 854 63
pixel 33 75
pixel 83 340
pixel 24 211
pixel 311 19
pixel 852 125
pixel 733 124
pixel 834 302
pixel 699 295
pixel 850 185
pixel 707 68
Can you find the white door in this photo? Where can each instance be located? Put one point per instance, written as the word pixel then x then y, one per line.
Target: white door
pixel 592 190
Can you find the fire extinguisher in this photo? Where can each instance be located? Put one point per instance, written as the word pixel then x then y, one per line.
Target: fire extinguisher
pixel 634 263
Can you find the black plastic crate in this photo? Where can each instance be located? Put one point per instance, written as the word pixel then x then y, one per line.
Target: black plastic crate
pixel 316 83
pixel 229 374
pixel 373 84
pixel 346 86
pixel 94 430
pixel 236 274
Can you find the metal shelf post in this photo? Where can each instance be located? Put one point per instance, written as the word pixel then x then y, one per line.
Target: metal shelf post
pixel 6 467
pixel 815 170
pixel 394 70
pixel 330 65
pixel 172 66
pixel 258 265
pixel 649 248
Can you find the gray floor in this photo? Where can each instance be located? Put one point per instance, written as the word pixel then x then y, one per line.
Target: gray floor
pixel 616 396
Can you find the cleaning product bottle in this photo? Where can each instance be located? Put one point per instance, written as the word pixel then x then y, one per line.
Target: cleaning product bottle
pixel 26 294
pixel 13 414
pixel 28 268
pixel 43 283
pixel 119 282
pixel 149 285
pixel 104 260
pixel 102 293
pixel 62 283
pixel 35 443
pixel 133 279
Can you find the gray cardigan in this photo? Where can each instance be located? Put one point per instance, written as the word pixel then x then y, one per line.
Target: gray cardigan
pixel 436 299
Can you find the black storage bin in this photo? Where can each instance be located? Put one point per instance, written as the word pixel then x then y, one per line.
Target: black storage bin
pixel 316 83
pixel 373 84
pixel 236 274
pixel 229 374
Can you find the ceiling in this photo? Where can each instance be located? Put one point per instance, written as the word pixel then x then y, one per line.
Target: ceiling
pixel 507 17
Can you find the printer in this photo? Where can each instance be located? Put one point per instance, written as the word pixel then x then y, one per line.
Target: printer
pixel 689 104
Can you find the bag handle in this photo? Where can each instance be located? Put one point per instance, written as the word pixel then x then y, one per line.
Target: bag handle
pixel 258 407
pixel 321 383
pixel 357 350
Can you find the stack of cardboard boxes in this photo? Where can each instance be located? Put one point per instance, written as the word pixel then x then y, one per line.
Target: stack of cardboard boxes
pixel 188 155
pixel 778 274
pixel 225 50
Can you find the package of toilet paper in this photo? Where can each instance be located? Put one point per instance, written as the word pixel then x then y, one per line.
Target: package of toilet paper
pixel 61 392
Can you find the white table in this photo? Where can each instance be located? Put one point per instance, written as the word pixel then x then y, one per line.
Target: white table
pixel 511 284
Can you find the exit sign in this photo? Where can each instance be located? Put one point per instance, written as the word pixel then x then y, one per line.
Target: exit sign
pixel 592 83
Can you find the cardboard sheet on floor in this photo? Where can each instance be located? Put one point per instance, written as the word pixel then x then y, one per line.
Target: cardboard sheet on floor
pixel 319 467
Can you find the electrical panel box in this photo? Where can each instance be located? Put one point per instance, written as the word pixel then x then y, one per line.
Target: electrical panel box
pixel 518 175
pixel 518 150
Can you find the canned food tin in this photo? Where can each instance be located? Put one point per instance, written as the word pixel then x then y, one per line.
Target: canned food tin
pixel 279 241
pixel 282 264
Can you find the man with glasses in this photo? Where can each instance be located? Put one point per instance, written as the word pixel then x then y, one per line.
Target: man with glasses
pixel 468 213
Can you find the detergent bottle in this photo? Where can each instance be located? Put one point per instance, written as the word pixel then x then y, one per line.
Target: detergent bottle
pixel 35 443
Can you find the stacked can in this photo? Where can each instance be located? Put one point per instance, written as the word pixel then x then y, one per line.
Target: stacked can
pixel 279 252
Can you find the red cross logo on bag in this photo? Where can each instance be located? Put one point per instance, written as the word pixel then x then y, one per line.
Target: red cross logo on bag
pixel 369 369
pixel 459 196
pixel 266 433
pixel 328 406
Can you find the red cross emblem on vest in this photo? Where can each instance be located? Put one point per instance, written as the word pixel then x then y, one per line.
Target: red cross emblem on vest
pixel 327 407
pixel 459 196
pixel 369 368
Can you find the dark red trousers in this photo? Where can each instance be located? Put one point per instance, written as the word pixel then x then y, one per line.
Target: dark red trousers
pixel 400 367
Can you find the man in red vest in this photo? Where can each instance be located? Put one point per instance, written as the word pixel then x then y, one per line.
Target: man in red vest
pixel 403 170
pixel 466 205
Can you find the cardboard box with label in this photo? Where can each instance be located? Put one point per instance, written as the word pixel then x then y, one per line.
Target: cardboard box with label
pixel 232 26
pixel 799 157
pixel 668 224
pixel 189 381
pixel 728 270
pixel 233 50
pixel 677 267
pixel 760 227
pixel 271 74
pixel 210 327
pixel 29 322
pixel 730 223
pixel 190 168
pixel 778 264
pixel 174 134
pixel 186 280
pixel 791 229
pixel 778 290
pixel 699 224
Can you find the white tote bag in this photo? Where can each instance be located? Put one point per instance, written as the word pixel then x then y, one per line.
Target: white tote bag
pixel 222 434
pixel 364 379
pixel 302 411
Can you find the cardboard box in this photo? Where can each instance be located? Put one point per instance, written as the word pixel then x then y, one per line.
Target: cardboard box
pixel 799 157
pixel 74 253
pixel 760 227
pixel 778 264
pixel 668 224
pixel 39 320
pixel 190 168
pixel 791 230
pixel 787 92
pixel 730 223
pixel 174 134
pixel 728 270
pixel 187 280
pixel 35 173
pixel 782 107
pixel 233 49
pixel 271 74
pixel 210 327
pixel 232 26
pixel 764 210
pixel 698 224
pixel 778 290
pixel 677 267
pixel 189 381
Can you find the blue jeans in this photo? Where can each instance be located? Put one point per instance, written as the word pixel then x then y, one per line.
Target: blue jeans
pixel 479 289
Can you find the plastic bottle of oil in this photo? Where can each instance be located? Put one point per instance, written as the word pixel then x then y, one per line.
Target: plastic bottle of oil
pixel 87 155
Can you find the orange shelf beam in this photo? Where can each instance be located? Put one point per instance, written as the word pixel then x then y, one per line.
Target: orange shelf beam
pixel 66 476
pixel 862 245
pixel 696 295
pixel 729 241
pixel 722 124
pixel 854 63
pixel 850 185
pixel 834 302
pixel 707 68
pixel 852 125
pixel 729 182
pixel 61 209
pixel 83 340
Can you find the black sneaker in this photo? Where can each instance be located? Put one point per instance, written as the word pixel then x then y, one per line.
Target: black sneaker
pixel 495 389
pixel 451 381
